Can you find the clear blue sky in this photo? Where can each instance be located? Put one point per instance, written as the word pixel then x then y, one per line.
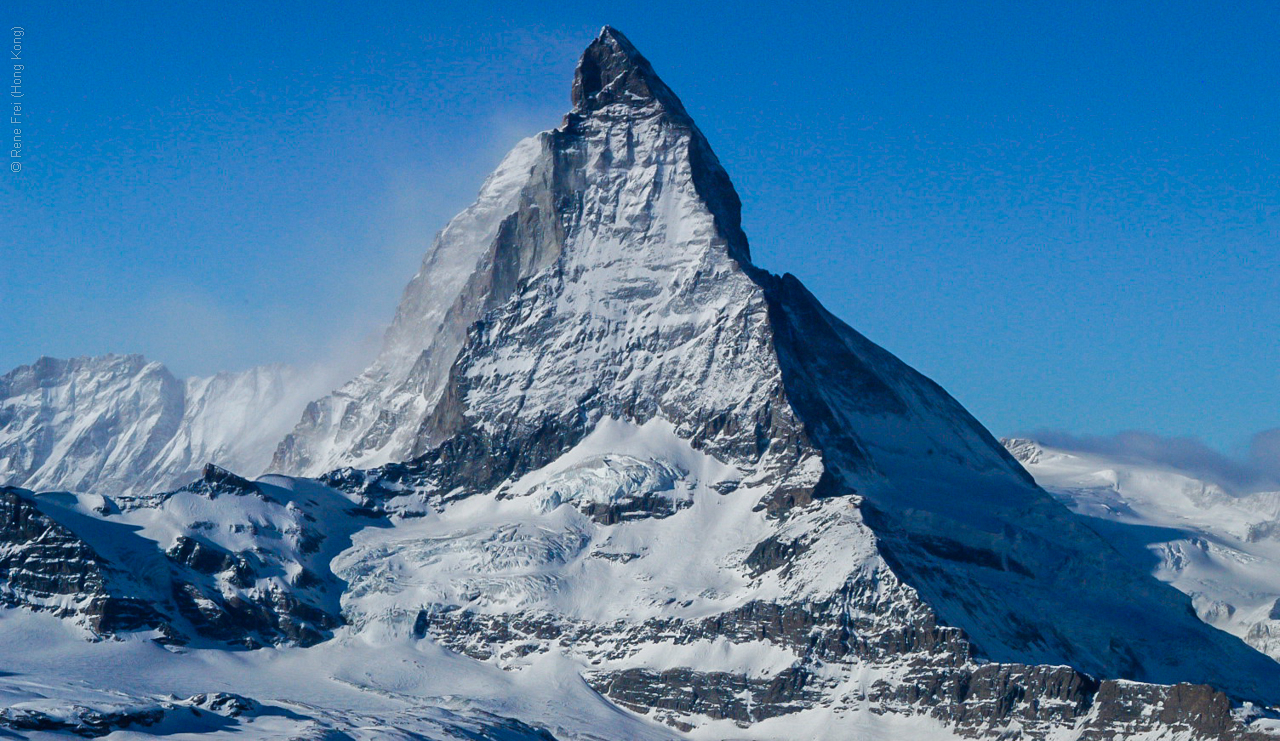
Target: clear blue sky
pixel 1066 213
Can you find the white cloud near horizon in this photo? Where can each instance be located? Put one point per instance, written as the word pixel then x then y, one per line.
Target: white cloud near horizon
pixel 1255 468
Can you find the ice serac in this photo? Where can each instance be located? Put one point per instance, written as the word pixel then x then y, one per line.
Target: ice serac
pixel 653 456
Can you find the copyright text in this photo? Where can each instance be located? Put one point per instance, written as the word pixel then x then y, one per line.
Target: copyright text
pixel 16 93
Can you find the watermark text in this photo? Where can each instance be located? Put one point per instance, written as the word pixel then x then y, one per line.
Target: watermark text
pixel 16 94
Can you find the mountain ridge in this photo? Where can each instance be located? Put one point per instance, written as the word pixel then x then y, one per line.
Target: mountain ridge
pixel 125 425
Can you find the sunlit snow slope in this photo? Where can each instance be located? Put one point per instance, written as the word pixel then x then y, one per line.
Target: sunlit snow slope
pixel 119 424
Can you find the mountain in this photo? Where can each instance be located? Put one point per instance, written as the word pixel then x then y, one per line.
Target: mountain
pixel 1220 548
pixel 722 441
pixel 219 561
pixel 374 418
pixel 609 479
pixel 121 425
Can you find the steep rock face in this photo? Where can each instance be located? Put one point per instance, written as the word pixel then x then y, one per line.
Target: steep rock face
pixel 120 425
pixel 825 513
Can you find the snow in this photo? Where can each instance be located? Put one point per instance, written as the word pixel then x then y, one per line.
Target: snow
pixel 620 458
pixel 373 687
pixel 276 532
pixel 506 551
pixel 1219 548
pixel 830 724
pixel 370 689
pixel 121 425
pixel 748 658
pixel 607 479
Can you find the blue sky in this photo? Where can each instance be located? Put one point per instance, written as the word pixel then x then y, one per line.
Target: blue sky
pixel 1068 214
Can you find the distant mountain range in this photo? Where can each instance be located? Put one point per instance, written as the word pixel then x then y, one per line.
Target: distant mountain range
pixel 1221 549
pixel 122 425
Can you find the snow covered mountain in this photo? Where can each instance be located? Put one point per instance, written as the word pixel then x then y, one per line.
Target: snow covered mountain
pixel 221 560
pixel 609 479
pixel 121 425
pixel 1222 549
pixel 374 418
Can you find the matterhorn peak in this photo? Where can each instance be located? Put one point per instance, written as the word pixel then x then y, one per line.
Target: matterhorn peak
pixel 613 72
pixel 594 323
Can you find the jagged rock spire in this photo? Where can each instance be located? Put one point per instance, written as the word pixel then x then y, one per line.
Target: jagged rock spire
pixel 614 80
pixel 612 71
pixel 215 474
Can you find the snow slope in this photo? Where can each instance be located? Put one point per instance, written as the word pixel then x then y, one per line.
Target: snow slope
pixel 349 688
pixel 1221 549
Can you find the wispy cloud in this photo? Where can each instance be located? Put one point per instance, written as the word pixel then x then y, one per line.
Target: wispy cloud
pixel 1264 453
pixel 1257 469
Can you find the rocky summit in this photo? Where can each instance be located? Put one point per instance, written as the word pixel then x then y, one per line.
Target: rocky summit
pixel 606 479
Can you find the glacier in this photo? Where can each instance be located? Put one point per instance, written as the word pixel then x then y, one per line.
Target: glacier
pixel 1218 547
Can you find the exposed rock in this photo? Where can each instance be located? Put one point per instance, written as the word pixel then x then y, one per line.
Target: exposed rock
pixel 628 298
pixel 57 554
pixel 45 566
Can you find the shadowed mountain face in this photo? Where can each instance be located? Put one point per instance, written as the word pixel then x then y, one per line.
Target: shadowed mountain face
pixel 600 436
pixel 1220 548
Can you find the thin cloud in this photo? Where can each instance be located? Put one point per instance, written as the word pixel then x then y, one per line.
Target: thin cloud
pixel 1257 470
pixel 1264 453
